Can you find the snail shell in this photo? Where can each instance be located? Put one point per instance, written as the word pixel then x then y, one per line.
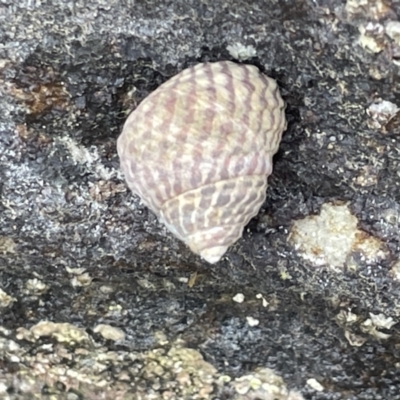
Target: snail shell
pixel 198 151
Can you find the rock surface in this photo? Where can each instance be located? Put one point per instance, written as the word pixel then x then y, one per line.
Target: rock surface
pixel 98 300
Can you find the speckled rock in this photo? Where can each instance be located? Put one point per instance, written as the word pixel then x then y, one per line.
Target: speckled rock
pixel 77 250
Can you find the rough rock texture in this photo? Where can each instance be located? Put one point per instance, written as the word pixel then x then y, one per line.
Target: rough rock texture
pixel 100 301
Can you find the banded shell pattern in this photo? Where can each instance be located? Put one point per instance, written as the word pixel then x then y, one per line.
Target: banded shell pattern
pixel 198 152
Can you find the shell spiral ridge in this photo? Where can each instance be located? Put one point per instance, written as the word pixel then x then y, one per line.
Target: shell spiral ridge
pixel 198 151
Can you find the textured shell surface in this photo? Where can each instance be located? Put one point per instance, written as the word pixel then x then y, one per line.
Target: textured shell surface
pixel 198 152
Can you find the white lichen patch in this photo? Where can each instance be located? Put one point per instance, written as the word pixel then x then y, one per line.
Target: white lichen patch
pixel 63 332
pixel 241 52
pixel 331 238
pixel 381 321
pixel 314 384
pixel 252 321
pixel 372 37
pixel 263 383
pixel 81 280
pixel 115 310
pixel 3 389
pixel 192 375
pixel 381 113
pixel 238 298
pixel 392 29
pixel 7 245
pixel 368 326
pixel 35 286
pixel 110 332
pixel 368 176
pixel 354 339
pixel 5 299
pixel 263 299
pixel 346 317
pixel 371 326
pixel 75 271
pixel 80 277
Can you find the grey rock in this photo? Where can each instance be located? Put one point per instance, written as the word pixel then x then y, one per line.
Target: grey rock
pixel 78 250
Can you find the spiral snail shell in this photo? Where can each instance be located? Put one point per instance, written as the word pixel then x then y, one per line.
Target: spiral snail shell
pixel 198 152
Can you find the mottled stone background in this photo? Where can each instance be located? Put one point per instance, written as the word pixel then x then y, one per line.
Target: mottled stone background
pixel 98 300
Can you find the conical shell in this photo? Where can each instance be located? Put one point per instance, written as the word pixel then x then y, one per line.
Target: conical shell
pixel 198 151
